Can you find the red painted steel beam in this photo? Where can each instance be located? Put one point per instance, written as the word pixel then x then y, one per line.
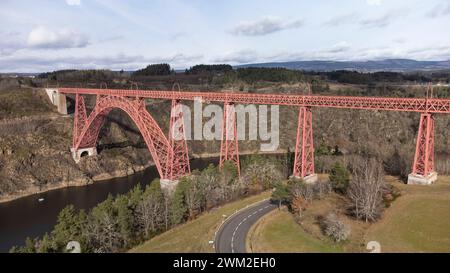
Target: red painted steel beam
pixel 429 105
pixel 424 156
pixel 304 147
pixel 229 147
pixel 178 164
pixel 87 128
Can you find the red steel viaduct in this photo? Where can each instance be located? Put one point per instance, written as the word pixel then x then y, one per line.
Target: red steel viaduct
pixel 171 156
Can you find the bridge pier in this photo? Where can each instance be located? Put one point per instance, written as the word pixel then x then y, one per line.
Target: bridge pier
pixel 77 154
pixel 311 179
pixel 229 148
pixel 304 147
pixel 423 166
pixel 415 179
pixel 168 186
pixel 58 99
pixel 178 161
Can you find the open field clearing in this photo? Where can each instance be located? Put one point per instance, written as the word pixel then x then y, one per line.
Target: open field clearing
pixel 417 221
pixel 278 232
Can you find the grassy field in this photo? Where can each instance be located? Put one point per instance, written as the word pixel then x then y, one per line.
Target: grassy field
pixel 195 235
pixel 418 221
pixel 23 102
pixel 278 232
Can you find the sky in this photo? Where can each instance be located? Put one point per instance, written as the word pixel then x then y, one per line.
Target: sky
pixel 47 35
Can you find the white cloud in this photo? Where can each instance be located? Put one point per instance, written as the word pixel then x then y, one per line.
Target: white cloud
pixel 38 63
pixel 374 2
pixel 341 20
pixel 340 47
pixel 264 26
pixel 42 37
pixel 73 2
pixel 10 42
pixel 341 51
pixel 439 10
pixel 384 20
pixel 240 57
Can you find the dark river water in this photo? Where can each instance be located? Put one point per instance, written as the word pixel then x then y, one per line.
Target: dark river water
pixel 27 217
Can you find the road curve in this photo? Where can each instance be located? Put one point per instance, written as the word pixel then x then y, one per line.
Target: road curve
pixel 232 235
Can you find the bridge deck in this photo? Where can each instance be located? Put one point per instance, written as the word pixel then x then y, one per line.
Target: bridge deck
pixel 430 105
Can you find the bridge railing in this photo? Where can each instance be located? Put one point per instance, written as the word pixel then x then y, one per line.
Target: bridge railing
pixel 369 103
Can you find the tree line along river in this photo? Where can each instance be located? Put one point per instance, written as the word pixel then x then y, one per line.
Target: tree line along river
pixel 29 217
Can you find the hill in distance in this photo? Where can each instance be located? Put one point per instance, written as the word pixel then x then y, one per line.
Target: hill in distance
pixel 389 65
pixel 393 65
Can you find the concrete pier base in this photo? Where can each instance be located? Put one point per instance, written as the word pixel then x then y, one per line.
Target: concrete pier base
pixel 414 179
pixel 310 179
pixel 168 186
pixel 77 154
pixel 57 99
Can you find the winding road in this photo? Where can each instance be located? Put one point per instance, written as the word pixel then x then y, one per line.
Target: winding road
pixel 232 235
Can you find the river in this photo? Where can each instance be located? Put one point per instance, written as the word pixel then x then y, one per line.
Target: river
pixel 27 217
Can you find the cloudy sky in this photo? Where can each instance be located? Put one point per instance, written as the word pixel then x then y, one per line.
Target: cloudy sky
pixel 45 35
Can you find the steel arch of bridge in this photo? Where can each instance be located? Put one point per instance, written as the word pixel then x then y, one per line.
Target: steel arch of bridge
pixel 171 157
pixel 87 129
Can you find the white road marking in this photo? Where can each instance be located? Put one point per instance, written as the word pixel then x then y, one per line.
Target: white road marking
pixel 237 227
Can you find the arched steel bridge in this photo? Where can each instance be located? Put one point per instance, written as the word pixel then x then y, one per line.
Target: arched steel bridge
pixel 171 156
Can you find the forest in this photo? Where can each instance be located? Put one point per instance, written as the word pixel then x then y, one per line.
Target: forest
pixel 124 221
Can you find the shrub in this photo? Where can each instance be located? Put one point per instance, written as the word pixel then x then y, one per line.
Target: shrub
pixel 334 228
pixel 298 205
pixel 321 188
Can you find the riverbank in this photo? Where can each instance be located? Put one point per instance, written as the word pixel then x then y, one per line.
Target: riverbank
pixel 104 176
pixel 81 182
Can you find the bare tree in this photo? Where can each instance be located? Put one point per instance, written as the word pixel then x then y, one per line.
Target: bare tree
pixel 321 188
pixel 226 177
pixel 151 210
pixel 166 212
pixel 150 215
pixel 103 233
pixel 303 191
pixel 193 196
pixel 298 205
pixel 265 174
pixel 208 181
pixel 366 190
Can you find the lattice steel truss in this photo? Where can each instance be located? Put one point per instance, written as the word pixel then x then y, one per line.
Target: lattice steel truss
pixel 304 147
pixel 229 148
pixel 171 157
pixel 86 129
pixel 424 157
pixel 429 105
pixel 179 161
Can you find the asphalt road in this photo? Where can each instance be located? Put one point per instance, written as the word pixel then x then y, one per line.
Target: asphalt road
pixel 231 236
